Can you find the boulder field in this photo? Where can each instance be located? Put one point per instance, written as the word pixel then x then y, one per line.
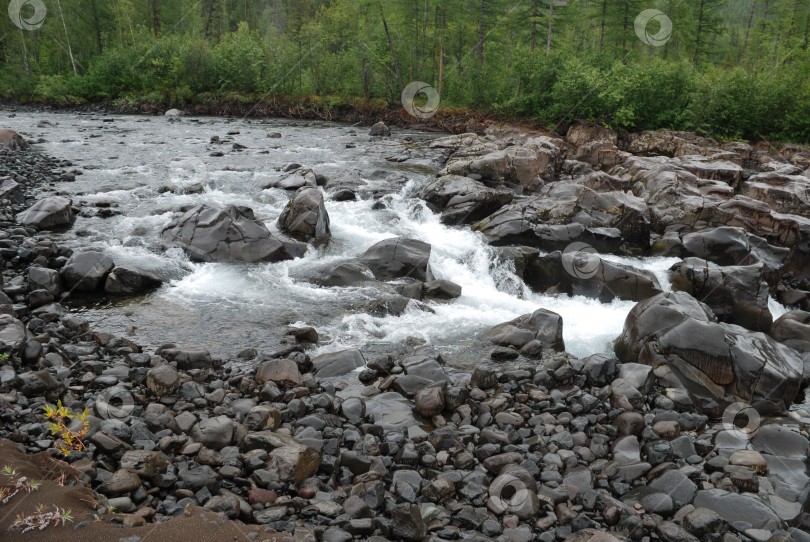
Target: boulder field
pixel 683 435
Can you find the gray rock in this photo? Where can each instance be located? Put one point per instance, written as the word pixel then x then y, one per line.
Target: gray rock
pixel 462 200
pixel 305 217
pixel 214 433
pixel 48 213
pixel 227 234
pixel 379 130
pixel 338 363
pixel 733 507
pixel 9 139
pixel 678 333
pixel 542 325
pixel 407 523
pixel 130 281
pixel 399 257
pixel 86 271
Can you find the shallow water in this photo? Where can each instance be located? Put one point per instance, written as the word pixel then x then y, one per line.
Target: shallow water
pixel 130 162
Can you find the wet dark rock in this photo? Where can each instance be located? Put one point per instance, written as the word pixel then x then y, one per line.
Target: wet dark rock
pixel 231 233
pixel 542 325
pixel 462 200
pixel 728 245
pixel 709 359
pixel 86 271
pixel 379 130
pixel 130 281
pixel 399 258
pixel 736 294
pixel 441 289
pixel 582 272
pixel 305 217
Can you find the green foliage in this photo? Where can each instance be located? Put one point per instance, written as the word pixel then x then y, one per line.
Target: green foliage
pixel 3 358
pixel 732 69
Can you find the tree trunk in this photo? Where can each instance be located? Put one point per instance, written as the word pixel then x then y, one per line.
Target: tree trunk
pixel 210 18
pixel 441 50
pixel 764 25
pixel 550 23
pixel 624 33
pixel 424 34
pixel 699 32
pixel 806 33
pixel 534 25
pixel 748 32
pixel 481 38
pixel 96 25
pixel 391 48
pixel 602 30
pixel 300 75
pixel 155 19
pixel 67 38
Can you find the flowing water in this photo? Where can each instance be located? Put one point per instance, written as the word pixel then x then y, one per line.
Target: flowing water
pixel 146 167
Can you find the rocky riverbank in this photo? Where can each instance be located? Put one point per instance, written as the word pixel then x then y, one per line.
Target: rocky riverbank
pixel 668 440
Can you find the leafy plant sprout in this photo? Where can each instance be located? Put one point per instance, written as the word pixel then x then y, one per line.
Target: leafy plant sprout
pixel 60 419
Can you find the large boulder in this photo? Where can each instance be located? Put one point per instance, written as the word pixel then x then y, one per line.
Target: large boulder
pixel 670 143
pixel 305 217
pixel 214 234
pixel 580 271
pixel 48 213
pixel 130 281
pixel 564 204
pixel 736 294
pixel 716 364
pixel 462 200
pixel 729 245
pixel 379 130
pixel 9 139
pixel 535 160
pixel 399 257
pixel 782 192
pixel 86 271
pixel 542 325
